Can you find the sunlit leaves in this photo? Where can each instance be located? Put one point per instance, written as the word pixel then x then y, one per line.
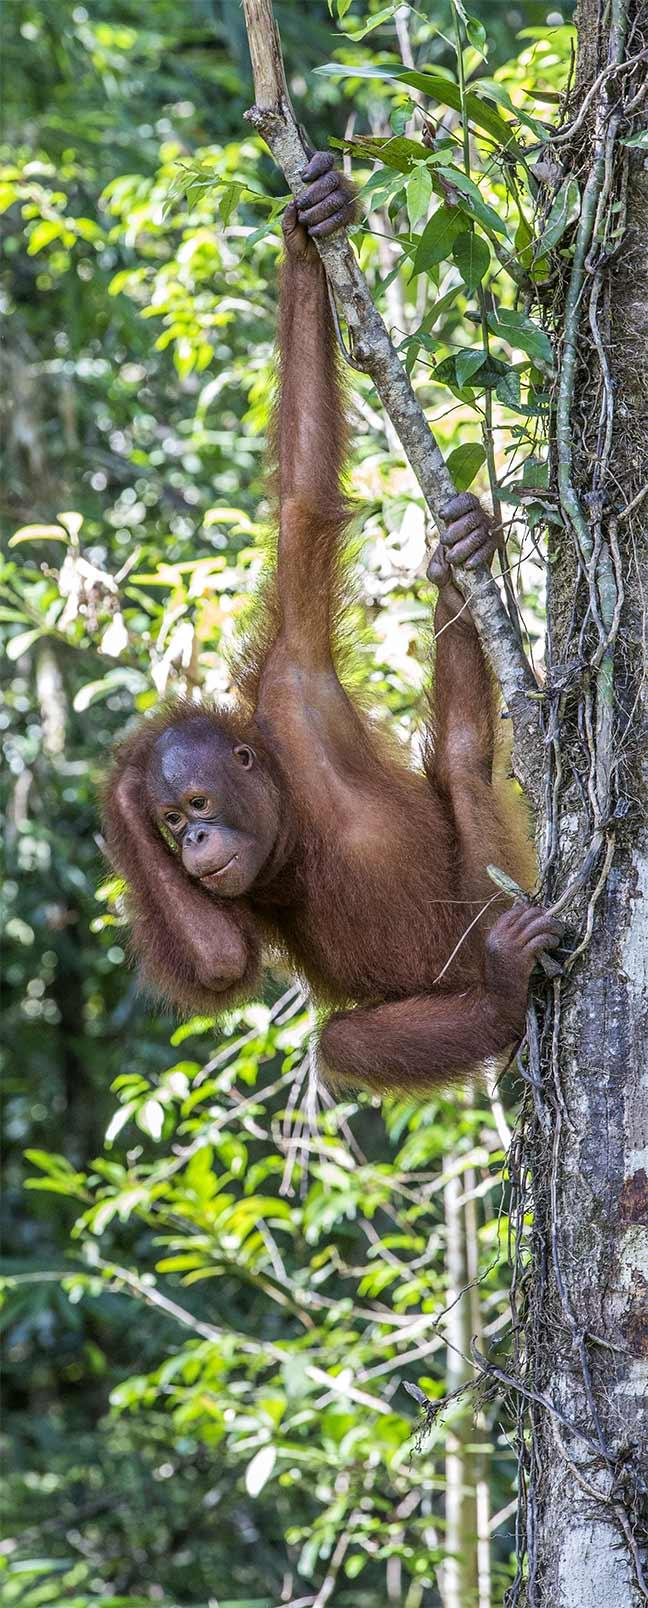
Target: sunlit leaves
pixel 376 20
pixel 491 89
pixel 59 1177
pixel 8 194
pixel 259 1470
pixel 45 232
pixel 22 642
pixel 37 533
pixel 398 151
pixel 92 691
pixel 72 520
pixel 65 229
pixel 115 638
pixel 150 1118
pixel 438 88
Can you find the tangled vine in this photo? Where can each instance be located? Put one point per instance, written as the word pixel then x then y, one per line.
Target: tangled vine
pixel 586 737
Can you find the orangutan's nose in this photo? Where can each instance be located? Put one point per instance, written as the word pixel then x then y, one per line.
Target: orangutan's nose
pixel 205 849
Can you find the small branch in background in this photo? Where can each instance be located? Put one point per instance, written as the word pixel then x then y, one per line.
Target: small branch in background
pixel 459 1575
pixel 273 118
pixel 50 691
pixel 487 432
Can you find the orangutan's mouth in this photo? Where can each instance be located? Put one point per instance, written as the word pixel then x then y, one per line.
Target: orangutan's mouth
pixel 220 870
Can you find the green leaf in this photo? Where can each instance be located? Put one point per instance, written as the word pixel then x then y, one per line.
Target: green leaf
pixel 485 377
pixel 38 533
pixel 441 306
pixel 507 389
pixel 46 231
pixel 355 1565
pixel 564 212
pixel 94 690
pixel 28 1566
pixel 51 1186
pixel 465 462
pixel 419 193
pixel 491 90
pixel 472 256
pixel 150 1118
pixel 519 330
pixel 8 194
pixel 468 362
pixel 476 33
pixel 640 139
pixel 118 1121
pixel 535 473
pixel 228 202
pixel 506 884
pixel 437 238
pixel 194 1027
pixel 185 1262
pixel 472 200
pixel 20 644
pixel 86 229
pixel 259 1470
pixel 374 22
pixel 51 1163
pixel 438 88
pixel 412 348
pixel 397 151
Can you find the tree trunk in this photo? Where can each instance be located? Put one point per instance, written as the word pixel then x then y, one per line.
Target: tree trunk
pixel 459 1585
pixel 585 1365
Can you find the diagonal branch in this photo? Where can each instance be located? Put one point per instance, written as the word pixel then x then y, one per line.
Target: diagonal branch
pixel 273 118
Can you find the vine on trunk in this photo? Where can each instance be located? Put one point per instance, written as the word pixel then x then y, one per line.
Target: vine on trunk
pixel 585 744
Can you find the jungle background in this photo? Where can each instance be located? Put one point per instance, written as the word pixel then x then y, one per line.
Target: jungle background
pixel 217 1280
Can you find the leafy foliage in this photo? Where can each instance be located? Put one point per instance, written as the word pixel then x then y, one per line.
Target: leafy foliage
pixel 216 1287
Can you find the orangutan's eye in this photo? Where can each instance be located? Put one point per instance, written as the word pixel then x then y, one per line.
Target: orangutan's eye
pixel 173 818
pixel 244 755
pixel 199 802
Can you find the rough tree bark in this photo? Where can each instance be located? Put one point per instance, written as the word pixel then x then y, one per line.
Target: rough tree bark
pixel 586 1313
pixel 581 1309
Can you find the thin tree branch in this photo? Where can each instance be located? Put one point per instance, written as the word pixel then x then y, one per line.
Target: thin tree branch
pixel 273 118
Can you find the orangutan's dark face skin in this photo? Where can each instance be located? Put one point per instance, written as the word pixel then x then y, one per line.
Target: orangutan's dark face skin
pixel 213 796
